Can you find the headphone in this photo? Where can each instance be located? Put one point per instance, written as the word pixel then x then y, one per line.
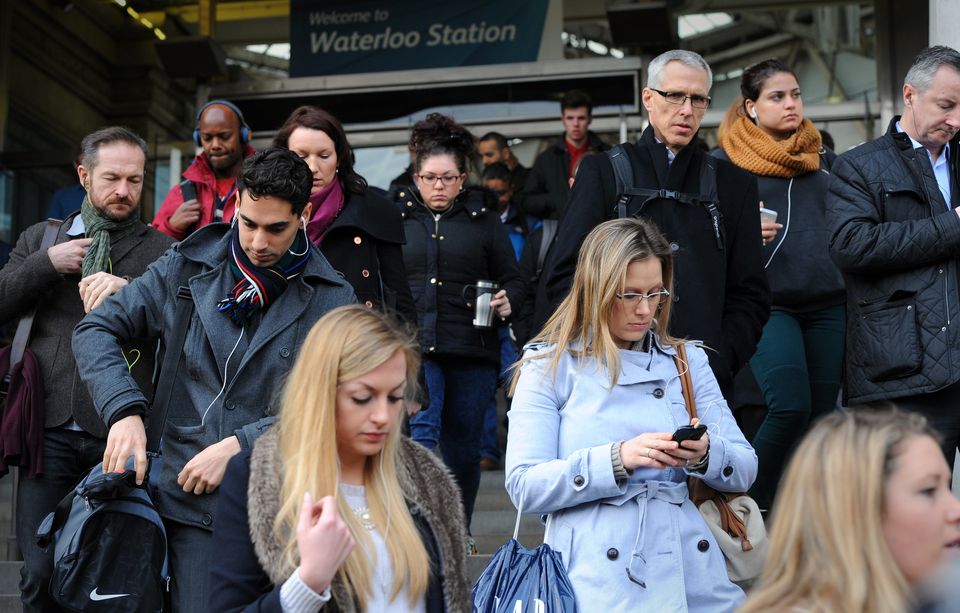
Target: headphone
pixel 244 128
pixel 753 113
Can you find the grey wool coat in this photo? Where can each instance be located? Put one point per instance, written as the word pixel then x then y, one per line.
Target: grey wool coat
pixel 29 279
pixel 254 566
pixel 205 409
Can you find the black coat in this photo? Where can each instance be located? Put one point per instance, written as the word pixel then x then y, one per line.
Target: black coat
pixel 364 244
pixel 897 243
pixel 547 188
pixel 720 296
pixel 442 256
pixel 29 279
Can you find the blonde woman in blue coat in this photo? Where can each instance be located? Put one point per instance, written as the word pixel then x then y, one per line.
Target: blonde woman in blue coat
pixel 596 401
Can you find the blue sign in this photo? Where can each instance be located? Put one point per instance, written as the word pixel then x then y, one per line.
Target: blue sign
pixel 344 37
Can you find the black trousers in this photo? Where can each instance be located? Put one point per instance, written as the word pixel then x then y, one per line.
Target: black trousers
pixel 942 410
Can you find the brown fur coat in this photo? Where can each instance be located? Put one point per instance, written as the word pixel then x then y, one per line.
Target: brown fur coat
pixel 427 486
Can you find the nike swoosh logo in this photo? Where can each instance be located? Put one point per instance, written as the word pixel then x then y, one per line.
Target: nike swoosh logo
pixel 95 596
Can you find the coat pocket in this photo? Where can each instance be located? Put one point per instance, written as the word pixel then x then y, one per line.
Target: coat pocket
pixel 888 340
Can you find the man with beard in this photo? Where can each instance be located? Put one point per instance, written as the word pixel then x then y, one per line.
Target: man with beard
pixel 98 250
pixel 207 192
pixel 257 286
pixel 720 293
pixel 893 210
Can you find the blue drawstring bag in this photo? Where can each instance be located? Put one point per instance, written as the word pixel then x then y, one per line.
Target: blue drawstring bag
pixel 521 580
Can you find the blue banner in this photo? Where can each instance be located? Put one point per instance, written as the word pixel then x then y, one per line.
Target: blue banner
pixel 344 37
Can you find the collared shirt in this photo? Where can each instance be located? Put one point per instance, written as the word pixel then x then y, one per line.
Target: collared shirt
pixel 941 167
pixel 77 229
pixel 671 156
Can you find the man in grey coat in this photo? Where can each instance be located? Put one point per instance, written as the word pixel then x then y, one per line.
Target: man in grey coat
pixel 258 286
pixel 98 250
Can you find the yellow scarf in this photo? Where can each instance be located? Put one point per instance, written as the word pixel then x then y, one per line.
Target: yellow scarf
pixel 752 149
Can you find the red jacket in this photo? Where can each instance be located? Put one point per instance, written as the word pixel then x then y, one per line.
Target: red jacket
pixel 205 181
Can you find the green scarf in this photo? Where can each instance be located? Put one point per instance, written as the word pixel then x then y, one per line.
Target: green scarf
pixel 103 231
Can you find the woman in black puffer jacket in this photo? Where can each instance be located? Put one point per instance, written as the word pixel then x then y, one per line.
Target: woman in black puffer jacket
pixel 454 239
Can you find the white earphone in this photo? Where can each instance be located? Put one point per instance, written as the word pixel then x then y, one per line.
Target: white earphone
pixel 753 113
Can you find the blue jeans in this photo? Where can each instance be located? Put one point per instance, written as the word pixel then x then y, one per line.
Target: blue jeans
pixel 460 391
pixel 68 456
pixel 798 364
pixel 489 440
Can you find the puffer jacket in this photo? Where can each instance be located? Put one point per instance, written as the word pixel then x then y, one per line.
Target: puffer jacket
pixel 896 242
pixel 445 253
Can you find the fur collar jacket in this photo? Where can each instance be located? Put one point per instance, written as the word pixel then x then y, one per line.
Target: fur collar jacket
pixel 428 488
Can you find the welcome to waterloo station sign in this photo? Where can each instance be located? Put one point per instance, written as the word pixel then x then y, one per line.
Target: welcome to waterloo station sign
pixel 343 37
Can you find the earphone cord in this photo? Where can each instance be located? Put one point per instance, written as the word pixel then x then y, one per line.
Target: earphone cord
pixel 224 386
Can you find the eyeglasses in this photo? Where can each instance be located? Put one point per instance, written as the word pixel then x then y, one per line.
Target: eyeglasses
pixel 696 101
pixel 431 179
pixel 633 298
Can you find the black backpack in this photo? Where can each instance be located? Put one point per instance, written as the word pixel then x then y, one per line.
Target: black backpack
pixel 626 190
pixel 110 551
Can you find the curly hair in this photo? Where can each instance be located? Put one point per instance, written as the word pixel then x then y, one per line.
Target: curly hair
pixel 441 135
pixel 279 173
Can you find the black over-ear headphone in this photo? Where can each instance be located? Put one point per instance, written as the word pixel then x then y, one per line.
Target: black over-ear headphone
pixel 244 128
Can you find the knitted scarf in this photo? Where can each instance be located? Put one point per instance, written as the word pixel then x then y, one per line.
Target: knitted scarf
pixel 103 231
pixel 326 206
pixel 258 287
pixel 752 149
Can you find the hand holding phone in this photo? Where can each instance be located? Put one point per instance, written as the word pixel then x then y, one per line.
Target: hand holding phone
pixel 689 433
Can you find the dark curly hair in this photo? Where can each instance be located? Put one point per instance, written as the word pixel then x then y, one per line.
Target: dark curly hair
pixel 279 173
pixel 315 118
pixel 441 135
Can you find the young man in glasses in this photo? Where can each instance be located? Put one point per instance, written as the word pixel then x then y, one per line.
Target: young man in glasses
pixel 708 209
pixel 547 188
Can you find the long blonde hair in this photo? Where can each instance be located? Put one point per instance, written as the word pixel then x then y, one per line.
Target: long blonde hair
pixel 581 324
pixel 344 344
pixel 827 549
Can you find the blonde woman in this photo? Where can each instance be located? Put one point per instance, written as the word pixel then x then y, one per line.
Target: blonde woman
pixel 864 514
pixel 334 509
pixel 597 400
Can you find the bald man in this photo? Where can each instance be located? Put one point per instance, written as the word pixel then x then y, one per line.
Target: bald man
pixel 207 193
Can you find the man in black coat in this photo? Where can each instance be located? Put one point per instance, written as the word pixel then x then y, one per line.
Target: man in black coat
pixel 98 249
pixel 720 295
pixel 894 215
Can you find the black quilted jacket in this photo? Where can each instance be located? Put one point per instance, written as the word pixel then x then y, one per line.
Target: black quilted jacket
pixel 896 242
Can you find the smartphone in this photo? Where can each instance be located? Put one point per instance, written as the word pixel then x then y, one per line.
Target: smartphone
pixel 689 433
pixel 768 215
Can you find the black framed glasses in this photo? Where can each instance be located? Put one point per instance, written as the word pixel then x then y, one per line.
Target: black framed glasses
pixel 634 298
pixel 431 179
pixel 696 101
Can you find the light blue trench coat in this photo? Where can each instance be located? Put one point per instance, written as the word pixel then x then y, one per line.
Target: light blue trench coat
pixel 639 544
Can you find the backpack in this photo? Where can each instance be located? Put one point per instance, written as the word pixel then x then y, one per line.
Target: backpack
pixel 626 190
pixel 96 567
pixel 110 551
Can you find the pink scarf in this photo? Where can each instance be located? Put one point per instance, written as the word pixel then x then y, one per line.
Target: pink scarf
pixel 326 205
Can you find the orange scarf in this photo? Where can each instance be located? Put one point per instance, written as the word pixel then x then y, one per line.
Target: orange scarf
pixel 752 149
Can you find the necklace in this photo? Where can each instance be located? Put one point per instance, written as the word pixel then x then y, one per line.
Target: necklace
pixel 364 517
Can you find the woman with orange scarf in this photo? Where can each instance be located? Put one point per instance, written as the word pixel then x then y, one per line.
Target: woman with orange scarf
pixel 799 358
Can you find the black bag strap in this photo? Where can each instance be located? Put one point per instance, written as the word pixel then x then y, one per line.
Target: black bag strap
pixel 60 515
pixel 623 174
pixel 168 372
pixel 22 336
pixel 548 233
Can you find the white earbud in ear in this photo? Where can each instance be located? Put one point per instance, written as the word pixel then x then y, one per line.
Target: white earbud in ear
pixel 753 113
pixel 302 220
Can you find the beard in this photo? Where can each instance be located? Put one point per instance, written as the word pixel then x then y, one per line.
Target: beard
pixel 114 209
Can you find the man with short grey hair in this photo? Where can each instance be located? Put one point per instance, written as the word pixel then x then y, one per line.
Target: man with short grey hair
pixel 97 251
pixel 893 211
pixel 707 208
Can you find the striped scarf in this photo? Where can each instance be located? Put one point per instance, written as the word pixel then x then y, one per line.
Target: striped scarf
pixel 258 287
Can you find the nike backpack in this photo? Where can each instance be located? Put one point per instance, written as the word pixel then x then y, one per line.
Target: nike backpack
pixel 110 546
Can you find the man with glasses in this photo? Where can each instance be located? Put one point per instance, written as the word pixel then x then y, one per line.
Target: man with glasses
pixel 707 208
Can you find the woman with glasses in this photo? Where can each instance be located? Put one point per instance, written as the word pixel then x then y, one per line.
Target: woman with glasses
pixel 355 228
pixel 455 240
pixel 597 399
pixel 799 358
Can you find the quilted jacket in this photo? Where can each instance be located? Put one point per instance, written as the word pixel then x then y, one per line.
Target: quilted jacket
pixel 896 242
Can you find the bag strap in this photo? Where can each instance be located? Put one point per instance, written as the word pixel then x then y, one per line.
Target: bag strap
pixel 60 515
pixel 548 233
pixel 168 372
pixel 22 337
pixel 623 175
pixel 686 381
